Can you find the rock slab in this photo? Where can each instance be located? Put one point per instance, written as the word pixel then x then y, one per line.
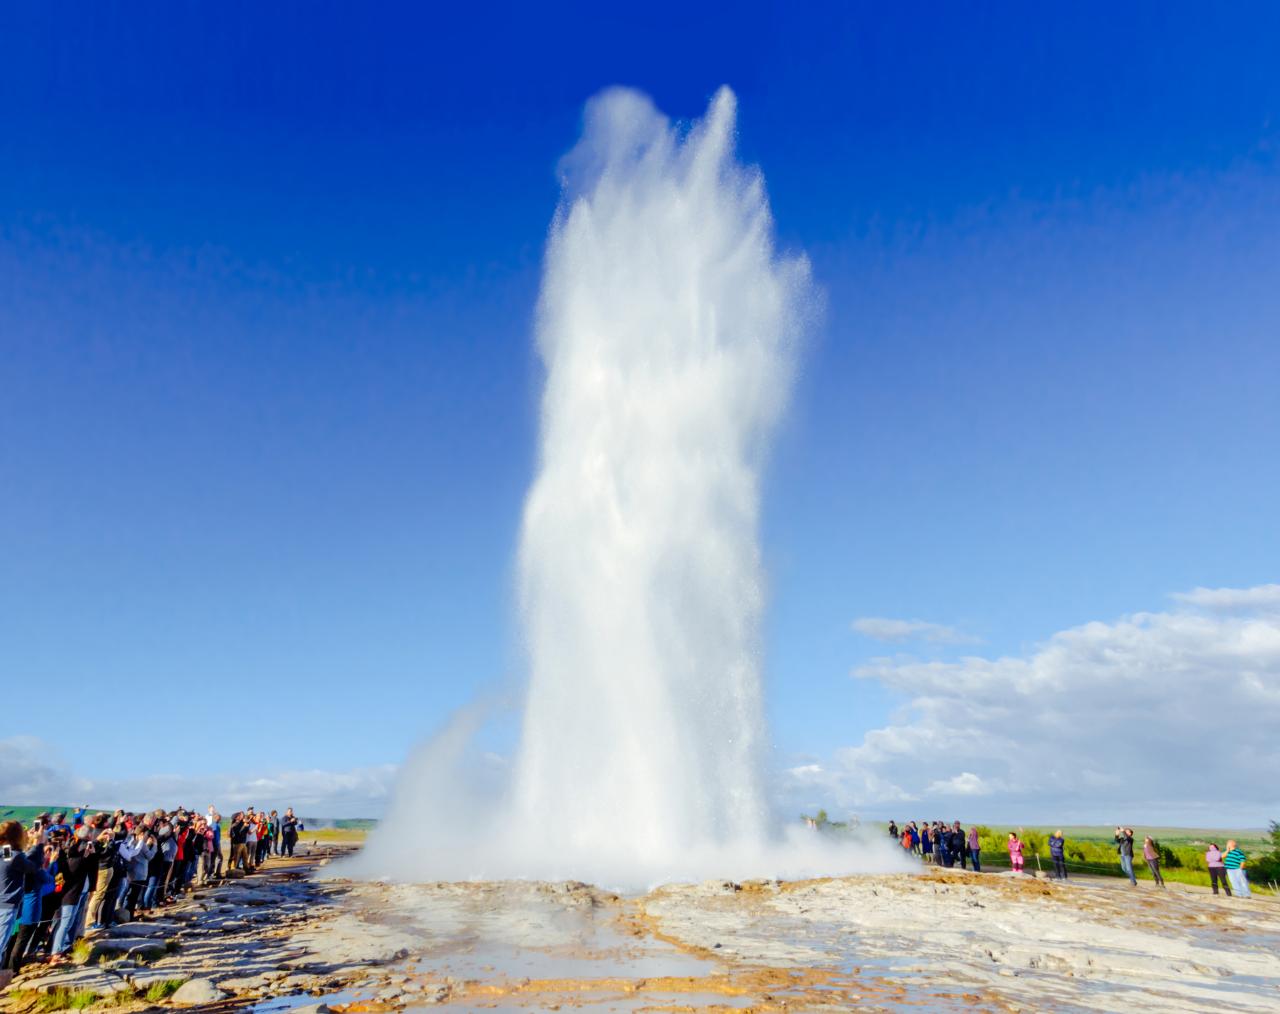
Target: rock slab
pixel 198 991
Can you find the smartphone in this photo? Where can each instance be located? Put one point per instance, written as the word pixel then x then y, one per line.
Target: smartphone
pixel 7 852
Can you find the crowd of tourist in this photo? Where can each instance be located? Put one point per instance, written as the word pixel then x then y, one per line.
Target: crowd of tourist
pixel 951 845
pixel 61 878
pixel 943 844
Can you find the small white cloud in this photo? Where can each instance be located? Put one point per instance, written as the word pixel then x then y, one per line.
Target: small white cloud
pixel 1260 596
pixel 805 770
pixel 964 784
pixel 882 628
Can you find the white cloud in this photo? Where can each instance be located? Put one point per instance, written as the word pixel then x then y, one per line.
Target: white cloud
pixel 1169 714
pixel 32 773
pixel 882 628
pixel 964 784
pixel 1263 596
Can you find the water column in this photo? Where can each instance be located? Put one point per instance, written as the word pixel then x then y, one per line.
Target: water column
pixel 667 324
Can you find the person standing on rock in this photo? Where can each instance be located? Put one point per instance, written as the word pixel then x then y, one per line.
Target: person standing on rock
pixel 1058 853
pixel 959 845
pixel 1217 871
pixel 975 850
pixel 926 843
pixel 1235 861
pixel 1151 853
pixel 215 825
pixel 138 852
pixel 289 827
pixel 18 871
pixel 1124 845
pixel 101 912
pixel 1015 852
pixel 264 838
pixel 158 868
pixel 250 841
pixel 275 831
pixel 38 882
pixel 239 829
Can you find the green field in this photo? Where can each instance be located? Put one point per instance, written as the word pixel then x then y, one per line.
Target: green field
pixel 27 814
pixel 1249 839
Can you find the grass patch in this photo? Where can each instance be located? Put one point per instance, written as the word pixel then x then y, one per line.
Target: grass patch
pixel 159 991
pixel 81 951
pixel 334 834
pixel 58 999
pixel 34 1002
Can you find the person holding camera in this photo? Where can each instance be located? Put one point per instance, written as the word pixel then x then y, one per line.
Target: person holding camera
pixel 78 861
pixel 1124 846
pixel 20 873
pixel 26 883
pixel 137 852
pixel 39 900
pixel 101 912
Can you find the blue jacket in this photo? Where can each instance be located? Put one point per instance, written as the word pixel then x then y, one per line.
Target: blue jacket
pixel 39 882
pixel 13 877
pixel 1056 847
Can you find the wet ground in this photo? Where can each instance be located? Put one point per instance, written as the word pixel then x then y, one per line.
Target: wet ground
pixel 283 941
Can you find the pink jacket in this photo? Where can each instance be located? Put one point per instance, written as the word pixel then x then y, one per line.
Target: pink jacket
pixel 1015 848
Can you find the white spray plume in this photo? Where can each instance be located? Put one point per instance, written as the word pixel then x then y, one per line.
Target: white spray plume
pixel 667 324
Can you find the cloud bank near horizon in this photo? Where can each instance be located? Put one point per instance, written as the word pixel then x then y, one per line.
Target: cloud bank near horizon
pixel 32 774
pixel 1167 716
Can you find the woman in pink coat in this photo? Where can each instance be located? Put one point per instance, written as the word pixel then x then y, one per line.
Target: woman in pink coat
pixel 1015 853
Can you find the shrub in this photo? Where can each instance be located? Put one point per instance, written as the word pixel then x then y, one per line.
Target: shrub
pixel 159 991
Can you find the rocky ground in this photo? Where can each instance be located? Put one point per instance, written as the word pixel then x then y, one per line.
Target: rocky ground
pixel 943 940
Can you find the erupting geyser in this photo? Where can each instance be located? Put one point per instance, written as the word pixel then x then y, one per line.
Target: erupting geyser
pixel 667 323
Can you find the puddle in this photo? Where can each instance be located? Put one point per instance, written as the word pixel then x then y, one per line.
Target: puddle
pixel 284 1004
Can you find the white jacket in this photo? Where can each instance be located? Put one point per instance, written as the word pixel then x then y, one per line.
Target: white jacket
pixel 137 855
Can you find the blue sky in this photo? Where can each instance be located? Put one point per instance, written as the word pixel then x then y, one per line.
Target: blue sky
pixel 268 394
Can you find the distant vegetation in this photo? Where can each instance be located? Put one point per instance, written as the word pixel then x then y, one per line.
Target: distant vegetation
pixel 27 814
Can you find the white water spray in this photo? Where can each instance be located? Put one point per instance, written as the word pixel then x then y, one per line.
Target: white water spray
pixel 667 324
